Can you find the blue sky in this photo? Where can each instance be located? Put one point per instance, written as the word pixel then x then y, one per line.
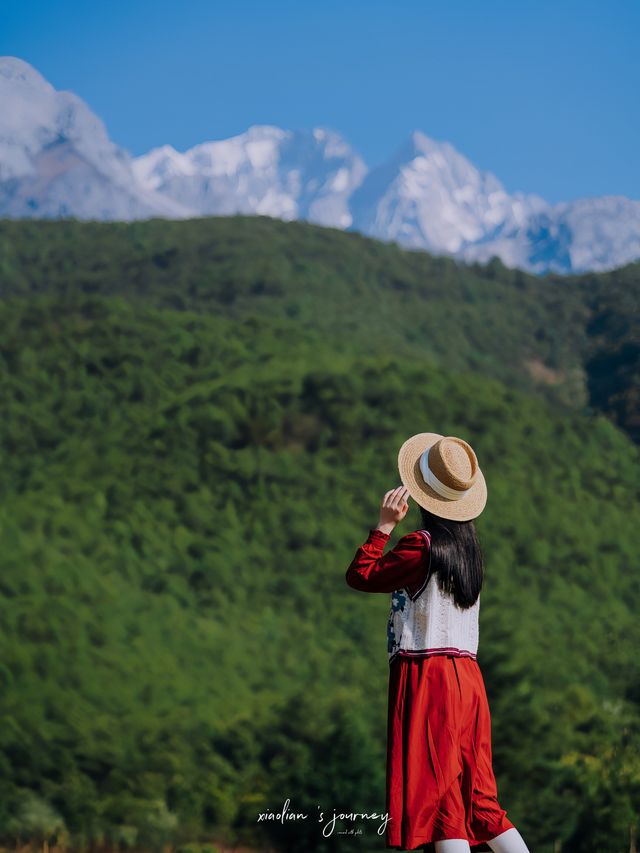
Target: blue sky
pixel 543 94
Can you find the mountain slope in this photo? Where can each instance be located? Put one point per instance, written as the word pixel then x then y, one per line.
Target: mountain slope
pixel 571 339
pixel 182 492
pixel 56 158
pixel 571 237
pixel 291 175
pixel 430 196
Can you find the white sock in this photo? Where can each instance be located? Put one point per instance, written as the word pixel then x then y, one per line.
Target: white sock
pixel 508 842
pixel 453 845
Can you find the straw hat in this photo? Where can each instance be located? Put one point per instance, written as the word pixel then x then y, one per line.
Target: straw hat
pixel 443 475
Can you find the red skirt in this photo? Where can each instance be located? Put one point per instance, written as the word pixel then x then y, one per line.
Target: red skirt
pixel 440 781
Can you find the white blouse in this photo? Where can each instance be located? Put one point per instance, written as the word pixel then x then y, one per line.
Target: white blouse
pixel 430 622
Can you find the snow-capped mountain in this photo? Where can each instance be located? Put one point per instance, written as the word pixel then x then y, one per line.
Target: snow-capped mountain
pixel 56 159
pixel 428 196
pixel 398 200
pixel 287 174
pixel 594 234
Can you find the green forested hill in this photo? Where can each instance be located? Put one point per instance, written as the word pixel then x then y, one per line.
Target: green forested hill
pixel 185 482
pixel 576 339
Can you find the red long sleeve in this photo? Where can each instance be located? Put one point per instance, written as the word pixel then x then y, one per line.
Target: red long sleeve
pixel 404 567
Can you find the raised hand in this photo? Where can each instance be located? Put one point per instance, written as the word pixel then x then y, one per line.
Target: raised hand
pixel 393 509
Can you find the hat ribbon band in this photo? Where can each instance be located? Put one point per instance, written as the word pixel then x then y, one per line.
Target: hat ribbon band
pixel 431 480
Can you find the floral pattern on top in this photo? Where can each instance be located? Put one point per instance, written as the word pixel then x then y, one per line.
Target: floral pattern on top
pixel 394 625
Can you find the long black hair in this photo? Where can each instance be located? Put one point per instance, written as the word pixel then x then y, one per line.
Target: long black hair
pixel 456 557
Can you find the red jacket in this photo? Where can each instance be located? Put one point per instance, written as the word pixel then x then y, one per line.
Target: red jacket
pixel 405 566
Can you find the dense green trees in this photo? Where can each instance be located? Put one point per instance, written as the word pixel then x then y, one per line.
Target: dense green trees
pixel 199 422
pixel 574 339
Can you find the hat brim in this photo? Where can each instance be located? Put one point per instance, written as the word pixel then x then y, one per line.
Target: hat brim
pixel 466 508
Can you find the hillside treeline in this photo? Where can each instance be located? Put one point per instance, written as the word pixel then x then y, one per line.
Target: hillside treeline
pixel 183 487
pixel 575 339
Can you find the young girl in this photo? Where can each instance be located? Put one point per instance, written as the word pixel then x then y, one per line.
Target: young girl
pixel 441 789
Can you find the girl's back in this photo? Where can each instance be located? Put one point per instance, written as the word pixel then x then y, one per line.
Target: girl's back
pixel 428 621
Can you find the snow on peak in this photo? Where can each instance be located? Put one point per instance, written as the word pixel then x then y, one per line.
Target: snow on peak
pixel 266 170
pixel 20 73
pixel 56 159
pixel 160 165
pixel 36 117
pixel 431 196
pixel 262 131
